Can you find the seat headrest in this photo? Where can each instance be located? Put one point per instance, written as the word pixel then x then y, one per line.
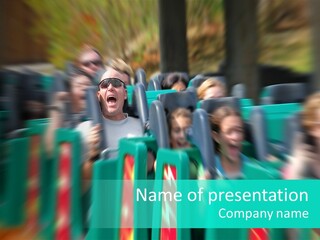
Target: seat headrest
pixel 287 93
pixel 174 100
pixel 210 105
pixel 158 124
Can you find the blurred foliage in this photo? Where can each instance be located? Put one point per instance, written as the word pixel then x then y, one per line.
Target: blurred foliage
pixel 129 29
pixel 284 32
pixel 125 28
pixel 106 24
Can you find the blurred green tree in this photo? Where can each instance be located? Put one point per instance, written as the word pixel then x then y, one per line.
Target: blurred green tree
pixel 129 29
pixel 106 24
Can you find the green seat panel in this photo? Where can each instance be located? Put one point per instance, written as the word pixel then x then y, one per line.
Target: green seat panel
pixel 153 95
pixel 276 115
pixel 66 173
pixel 107 211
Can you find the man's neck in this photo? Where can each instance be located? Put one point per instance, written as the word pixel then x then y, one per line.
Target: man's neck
pixel 117 117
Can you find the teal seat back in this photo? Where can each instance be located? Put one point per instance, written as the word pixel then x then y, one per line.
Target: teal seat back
pixel 21 168
pixel 129 166
pixel 153 95
pixel 226 233
pixel 250 171
pixel 246 102
pixel 13 189
pixel 65 212
pixel 276 115
pixel 38 173
pixel 170 162
pixel 130 90
pixel 284 93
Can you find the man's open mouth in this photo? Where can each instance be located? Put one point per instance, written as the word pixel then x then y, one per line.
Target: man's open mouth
pixel 111 99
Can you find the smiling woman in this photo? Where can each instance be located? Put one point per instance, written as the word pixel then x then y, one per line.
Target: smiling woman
pixel 228 134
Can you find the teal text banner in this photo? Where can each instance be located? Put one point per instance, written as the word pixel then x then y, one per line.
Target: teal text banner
pixel 208 204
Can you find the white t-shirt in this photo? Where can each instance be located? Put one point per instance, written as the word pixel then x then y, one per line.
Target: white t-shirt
pixel 114 131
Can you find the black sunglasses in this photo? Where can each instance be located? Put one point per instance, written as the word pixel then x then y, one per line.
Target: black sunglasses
pixel 94 62
pixel 115 82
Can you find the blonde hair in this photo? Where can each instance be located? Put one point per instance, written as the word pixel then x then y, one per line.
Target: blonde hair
pixel 309 113
pixel 209 83
pixel 121 66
